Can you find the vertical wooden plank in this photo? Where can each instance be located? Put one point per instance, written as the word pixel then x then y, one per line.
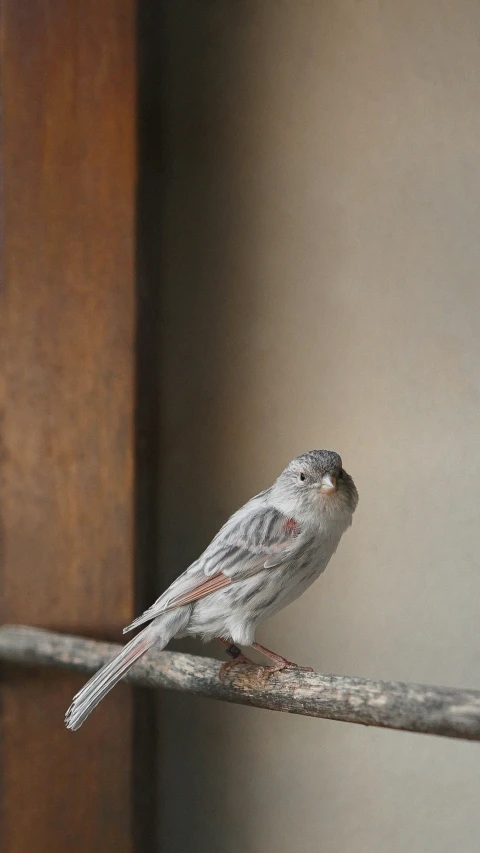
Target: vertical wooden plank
pixel 67 352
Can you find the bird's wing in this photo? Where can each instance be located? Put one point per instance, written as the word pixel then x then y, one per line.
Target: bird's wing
pixel 254 538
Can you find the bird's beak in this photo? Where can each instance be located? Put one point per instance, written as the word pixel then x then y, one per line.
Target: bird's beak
pixel 328 485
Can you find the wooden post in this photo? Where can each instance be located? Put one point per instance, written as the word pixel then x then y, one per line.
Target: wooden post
pixel 66 396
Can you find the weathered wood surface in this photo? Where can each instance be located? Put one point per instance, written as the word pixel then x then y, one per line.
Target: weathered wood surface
pixel 389 704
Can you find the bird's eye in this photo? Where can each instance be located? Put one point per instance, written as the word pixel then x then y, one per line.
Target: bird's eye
pixel 302 476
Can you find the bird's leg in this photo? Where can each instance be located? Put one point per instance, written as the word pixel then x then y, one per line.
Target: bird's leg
pixel 280 663
pixel 235 653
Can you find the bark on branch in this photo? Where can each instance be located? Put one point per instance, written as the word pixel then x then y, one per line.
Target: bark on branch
pixel 389 704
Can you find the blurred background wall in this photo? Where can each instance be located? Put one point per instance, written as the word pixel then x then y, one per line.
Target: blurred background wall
pixel 319 270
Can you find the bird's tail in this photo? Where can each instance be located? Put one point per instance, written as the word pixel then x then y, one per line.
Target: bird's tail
pixel 161 630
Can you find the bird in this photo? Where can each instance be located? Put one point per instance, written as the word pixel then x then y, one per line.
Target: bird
pixel 263 558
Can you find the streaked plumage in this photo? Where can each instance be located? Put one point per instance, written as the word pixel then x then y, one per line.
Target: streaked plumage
pixel 265 556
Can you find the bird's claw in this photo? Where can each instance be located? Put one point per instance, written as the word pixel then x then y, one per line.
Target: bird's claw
pixel 264 672
pixel 229 664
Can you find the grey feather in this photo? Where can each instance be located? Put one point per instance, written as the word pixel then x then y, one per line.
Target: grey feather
pixel 158 633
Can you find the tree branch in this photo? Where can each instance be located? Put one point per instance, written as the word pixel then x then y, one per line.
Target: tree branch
pixel 388 704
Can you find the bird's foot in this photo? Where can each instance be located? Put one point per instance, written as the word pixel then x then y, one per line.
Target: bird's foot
pixel 280 663
pixel 229 664
pixel 237 657
pixel 264 672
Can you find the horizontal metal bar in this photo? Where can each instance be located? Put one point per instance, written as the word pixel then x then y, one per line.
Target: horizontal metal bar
pixel 388 704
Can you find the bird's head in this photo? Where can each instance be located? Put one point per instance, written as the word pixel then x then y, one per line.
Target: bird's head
pixel 315 483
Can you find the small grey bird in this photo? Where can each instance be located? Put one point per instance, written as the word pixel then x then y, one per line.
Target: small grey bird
pixel 264 557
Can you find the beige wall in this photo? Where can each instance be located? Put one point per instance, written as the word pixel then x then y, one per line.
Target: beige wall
pixel 321 257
